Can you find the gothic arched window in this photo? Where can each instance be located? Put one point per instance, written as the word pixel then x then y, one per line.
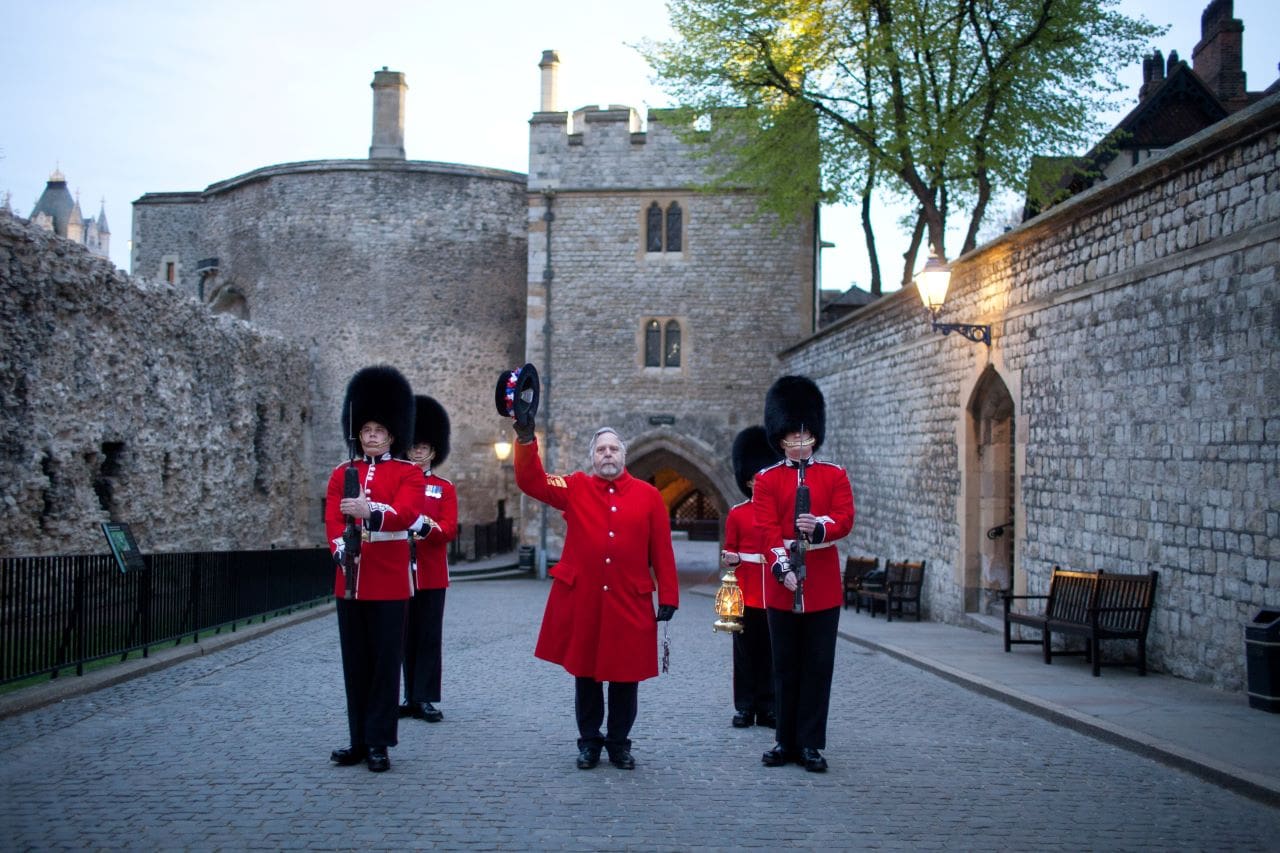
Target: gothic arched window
pixel 664 229
pixel 653 228
pixel 671 344
pixel 662 342
pixel 653 344
pixel 675 226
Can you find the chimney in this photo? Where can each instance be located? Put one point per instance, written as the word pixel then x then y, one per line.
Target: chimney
pixel 1152 74
pixel 550 66
pixel 1218 58
pixel 388 114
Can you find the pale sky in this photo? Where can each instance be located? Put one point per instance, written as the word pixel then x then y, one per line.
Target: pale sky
pixel 134 96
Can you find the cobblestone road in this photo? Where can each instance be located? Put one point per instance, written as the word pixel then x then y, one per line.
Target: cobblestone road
pixel 230 752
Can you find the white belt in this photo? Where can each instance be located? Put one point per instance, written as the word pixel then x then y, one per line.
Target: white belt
pixel 790 542
pixel 750 558
pixel 387 536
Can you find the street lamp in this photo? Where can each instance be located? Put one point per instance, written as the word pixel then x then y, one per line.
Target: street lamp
pixel 932 283
pixel 502 449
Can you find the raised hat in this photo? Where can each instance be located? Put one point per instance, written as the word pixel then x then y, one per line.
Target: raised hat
pixel 517 392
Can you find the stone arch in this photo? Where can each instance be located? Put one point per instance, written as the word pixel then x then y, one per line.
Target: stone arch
pixel 683 468
pixel 988 521
pixel 229 299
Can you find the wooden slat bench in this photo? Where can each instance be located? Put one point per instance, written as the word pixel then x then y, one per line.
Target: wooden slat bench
pixel 902 584
pixel 1094 605
pixel 855 569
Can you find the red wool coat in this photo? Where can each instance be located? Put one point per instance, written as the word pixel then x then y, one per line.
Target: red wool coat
pixel 741 536
pixel 440 504
pixel 394 488
pixel 831 500
pixel 599 622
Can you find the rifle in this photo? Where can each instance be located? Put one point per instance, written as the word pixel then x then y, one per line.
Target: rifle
pixel 351 533
pixel 800 545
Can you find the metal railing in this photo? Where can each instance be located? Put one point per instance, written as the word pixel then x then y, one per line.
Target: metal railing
pixel 496 537
pixel 63 612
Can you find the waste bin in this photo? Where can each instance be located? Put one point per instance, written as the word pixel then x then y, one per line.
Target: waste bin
pixel 525 556
pixel 1262 660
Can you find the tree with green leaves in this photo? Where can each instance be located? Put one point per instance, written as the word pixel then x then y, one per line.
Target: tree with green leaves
pixel 940 102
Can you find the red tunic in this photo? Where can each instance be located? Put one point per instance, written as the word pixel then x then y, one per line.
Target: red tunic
pixel 394 488
pixel 741 537
pixel 831 500
pixel 599 621
pixel 440 504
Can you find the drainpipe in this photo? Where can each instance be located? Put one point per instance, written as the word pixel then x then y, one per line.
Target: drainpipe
pixel 548 216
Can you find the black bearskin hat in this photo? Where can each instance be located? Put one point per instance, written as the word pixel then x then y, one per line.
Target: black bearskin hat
pixel 794 402
pixel 431 426
pixel 382 394
pixel 751 452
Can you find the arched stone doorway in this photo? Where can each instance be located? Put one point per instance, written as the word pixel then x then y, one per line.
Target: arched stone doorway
pixel 693 491
pixel 989 495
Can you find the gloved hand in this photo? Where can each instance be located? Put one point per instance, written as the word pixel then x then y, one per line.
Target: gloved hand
pixel 781 565
pixel 665 612
pixel 524 431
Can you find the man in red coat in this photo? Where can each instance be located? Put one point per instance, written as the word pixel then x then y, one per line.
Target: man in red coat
pixel 599 622
pixel 379 406
pixel 742 552
pixel 438 526
pixel 801 627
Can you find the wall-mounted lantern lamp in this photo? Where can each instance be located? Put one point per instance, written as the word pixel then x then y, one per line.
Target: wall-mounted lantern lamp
pixel 932 283
pixel 502 449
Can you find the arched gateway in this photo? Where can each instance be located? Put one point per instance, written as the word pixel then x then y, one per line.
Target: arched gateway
pixel 697 488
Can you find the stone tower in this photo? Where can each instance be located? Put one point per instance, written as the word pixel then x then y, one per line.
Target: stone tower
pixel 653 306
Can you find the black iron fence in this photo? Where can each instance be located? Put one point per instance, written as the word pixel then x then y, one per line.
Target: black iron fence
pixel 496 537
pixel 62 612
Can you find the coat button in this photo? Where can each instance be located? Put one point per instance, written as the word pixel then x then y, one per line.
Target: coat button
pixel 608 560
pixel 610 534
pixel 613 509
pixel 606 587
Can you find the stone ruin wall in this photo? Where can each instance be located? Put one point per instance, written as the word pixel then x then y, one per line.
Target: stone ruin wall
pixel 123 400
pixel 1136 327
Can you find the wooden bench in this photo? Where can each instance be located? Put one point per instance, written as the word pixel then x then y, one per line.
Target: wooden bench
pixel 902 584
pixel 1095 605
pixel 855 569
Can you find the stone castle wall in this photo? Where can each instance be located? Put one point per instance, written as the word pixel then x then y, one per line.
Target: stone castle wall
pixel 1136 329
pixel 420 265
pixel 121 400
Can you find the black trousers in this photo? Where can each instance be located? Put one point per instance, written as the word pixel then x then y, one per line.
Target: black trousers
pixel 588 705
pixel 371 634
pixel 423 647
pixel 804 656
pixel 753 664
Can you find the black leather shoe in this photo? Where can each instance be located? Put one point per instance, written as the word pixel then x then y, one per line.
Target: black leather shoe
pixel 743 720
pixel 406 710
pixel 427 711
pixel 348 756
pixel 766 719
pixel 813 760
pixel 622 759
pixel 378 760
pixel 588 757
pixel 778 756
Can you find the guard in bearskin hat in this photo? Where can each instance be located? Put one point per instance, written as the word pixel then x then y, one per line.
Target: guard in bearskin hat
pixel 437 527
pixel 599 622
pixel 372 502
pixel 744 553
pixel 803 506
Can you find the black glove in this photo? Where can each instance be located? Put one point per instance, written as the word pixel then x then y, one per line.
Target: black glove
pixel 524 431
pixel 665 612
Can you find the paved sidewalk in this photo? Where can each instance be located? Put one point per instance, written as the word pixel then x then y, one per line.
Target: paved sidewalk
pixel 227 750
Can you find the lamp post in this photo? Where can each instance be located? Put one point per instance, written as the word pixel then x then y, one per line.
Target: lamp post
pixel 932 283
